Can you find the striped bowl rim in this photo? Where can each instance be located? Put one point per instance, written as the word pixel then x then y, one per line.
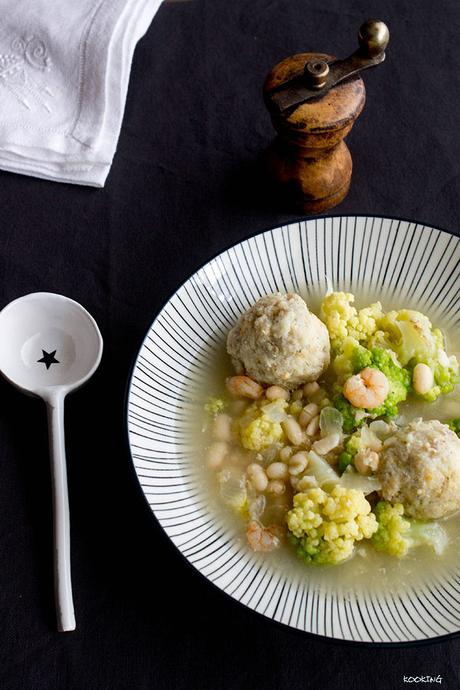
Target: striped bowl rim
pixel 393 258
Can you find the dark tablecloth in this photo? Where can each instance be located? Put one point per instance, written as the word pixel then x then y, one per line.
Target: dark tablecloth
pixel 182 187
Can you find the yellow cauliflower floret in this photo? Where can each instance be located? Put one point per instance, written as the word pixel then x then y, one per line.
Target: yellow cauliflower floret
pixel 365 323
pixel 261 433
pixel 295 408
pixel 336 311
pixel 343 363
pixel 324 526
pixel 343 320
pixel 260 426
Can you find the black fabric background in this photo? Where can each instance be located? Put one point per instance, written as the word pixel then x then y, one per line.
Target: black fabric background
pixel 183 187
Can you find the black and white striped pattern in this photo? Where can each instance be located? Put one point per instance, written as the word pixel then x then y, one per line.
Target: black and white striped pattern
pixel 391 260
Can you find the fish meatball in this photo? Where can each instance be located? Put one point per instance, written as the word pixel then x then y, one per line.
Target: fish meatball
pixel 420 468
pixel 279 342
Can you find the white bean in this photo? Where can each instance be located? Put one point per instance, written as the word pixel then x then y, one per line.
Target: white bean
pixel 216 454
pixel 366 461
pixel 293 431
pixel 326 444
pixel 380 428
pixel 310 388
pixel 313 426
pixel 286 453
pixel 257 476
pixel 298 394
pixel 277 393
pixel 222 427
pixel 422 378
pixel 277 470
pixel 298 463
pixel 244 386
pixel 307 414
pixel 276 487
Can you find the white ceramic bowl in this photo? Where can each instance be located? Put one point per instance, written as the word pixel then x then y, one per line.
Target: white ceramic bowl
pixel 391 259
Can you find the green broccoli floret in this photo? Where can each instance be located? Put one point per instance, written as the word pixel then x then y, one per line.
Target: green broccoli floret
pixel 412 337
pixel 215 406
pixel 454 424
pixel 353 444
pixel 324 526
pixel 359 358
pixel 396 535
pixel 350 423
pixel 445 379
pixel 398 378
pixel 351 358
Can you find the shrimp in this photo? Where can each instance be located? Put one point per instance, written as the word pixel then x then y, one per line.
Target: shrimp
pixel 263 538
pixel 244 386
pixel 367 389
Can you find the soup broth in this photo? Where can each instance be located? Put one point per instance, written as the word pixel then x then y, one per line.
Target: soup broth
pixel 368 569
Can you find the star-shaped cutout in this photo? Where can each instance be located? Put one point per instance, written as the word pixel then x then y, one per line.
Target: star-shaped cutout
pixel 48 358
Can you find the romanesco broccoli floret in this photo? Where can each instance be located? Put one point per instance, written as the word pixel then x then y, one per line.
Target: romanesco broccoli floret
pixel 324 526
pixel 454 424
pixel 354 359
pixel 354 444
pixel 398 378
pixel 343 320
pixel 396 534
pixel 351 418
pixel 412 337
pixel 445 378
pixel 393 343
pixel 214 406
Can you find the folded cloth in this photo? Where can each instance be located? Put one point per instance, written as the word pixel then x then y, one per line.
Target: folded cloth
pixel 64 72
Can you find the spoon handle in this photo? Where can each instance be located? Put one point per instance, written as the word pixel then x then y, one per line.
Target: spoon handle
pixel 62 576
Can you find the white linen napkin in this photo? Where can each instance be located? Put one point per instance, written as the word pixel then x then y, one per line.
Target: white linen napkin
pixel 64 72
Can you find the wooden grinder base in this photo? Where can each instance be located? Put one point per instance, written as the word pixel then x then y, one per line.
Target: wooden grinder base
pixel 309 162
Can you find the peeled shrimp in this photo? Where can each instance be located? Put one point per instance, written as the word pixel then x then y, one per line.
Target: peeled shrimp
pixel 367 389
pixel 244 386
pixel 263 538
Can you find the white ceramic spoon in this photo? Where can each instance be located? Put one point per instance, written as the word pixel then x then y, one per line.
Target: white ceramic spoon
pixel 49 346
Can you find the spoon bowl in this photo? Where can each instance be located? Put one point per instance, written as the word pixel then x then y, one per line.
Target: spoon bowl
pixel 48 341
pixel 49 346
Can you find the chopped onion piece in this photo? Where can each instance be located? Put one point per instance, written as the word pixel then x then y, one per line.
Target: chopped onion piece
pixel 351 479
pixel 319 468
pixel 370 440
pixel 276 410
pixel 257 507
pixel 330 421
pixel 233 488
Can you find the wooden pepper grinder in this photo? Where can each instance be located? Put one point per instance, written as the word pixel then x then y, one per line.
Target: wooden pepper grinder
pixel 314 100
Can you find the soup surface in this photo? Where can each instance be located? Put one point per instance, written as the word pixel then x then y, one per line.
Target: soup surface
pixel 368 569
